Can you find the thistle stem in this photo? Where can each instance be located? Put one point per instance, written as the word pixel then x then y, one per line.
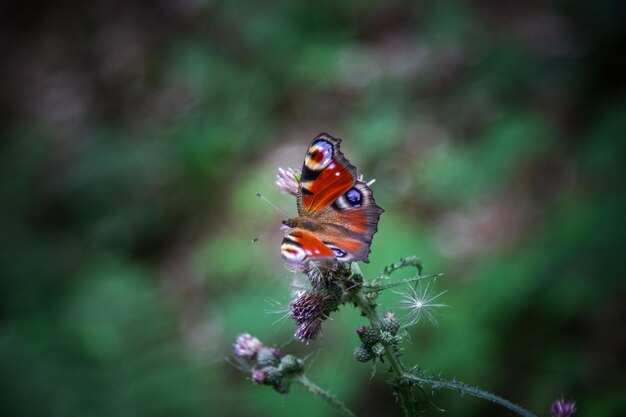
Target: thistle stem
pixel 404 262
pixel 324 395
pixel 368 307
pixel 438 383
pixel 379 288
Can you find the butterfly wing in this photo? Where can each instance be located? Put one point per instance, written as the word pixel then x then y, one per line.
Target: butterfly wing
pixel 326 175
pixel 301 245
pixel 355 216
pixel 342 208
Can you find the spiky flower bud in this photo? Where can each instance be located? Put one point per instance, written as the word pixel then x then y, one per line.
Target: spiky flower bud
pixel 307 307
pixel 378 349
pixel 308 311
pixel 389 323
pixel 259 376
pixel 247 346
pixel 289 364
pixel 363 354
pixel 368 335
pixel 267 357
pixel 388 339
pixel 308 330
pixel 272 375
pixel 561 408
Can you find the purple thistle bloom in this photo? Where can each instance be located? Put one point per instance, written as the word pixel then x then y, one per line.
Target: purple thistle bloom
pixel 308 311
pixel 259 376
pixel 287 180
pixel 308 330
pixel 561 408
pixel 309 306
pixel 247 346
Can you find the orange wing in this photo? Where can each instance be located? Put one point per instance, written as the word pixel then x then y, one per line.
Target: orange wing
pixel 300 244
pixel 326 174
pixel 341 207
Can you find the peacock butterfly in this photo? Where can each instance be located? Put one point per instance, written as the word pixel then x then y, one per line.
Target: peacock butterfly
pixel 337 214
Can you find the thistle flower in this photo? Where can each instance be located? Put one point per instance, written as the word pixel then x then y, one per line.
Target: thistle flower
pixel 287 180
pixel 363 354
pixel 290 364
pixel 259 376
pixel 308 330
pixel 368 335
pixel 247 346
pixel 420 304
pixel 267 357
pixel 308 306
pixel 378 349
pixel 561 408
pixel 389 339
pixel 265 365
pixel 308 311
pixel 271 375
pixel 389 323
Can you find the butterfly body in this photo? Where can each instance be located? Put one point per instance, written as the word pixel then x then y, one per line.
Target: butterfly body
pixel 337 212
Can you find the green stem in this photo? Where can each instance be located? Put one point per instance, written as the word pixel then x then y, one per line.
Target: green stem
pixel 413 261
pixel 324 395
pixel 438 383
pixel 364 298
pixel 379 288
pixel 406 394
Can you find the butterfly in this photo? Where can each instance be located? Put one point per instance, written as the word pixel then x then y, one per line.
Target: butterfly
pixel 337 214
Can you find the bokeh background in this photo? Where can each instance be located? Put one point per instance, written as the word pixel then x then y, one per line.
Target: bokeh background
pixel 136 135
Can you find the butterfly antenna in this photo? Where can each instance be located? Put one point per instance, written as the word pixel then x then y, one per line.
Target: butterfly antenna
pixel 257 238
pixel 271 204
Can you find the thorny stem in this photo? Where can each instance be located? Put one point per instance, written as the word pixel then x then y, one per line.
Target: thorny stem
pixel 325 395
pixel 419 378
pixel 413 261
pixel 365 300
pixel 379 288
pixel 368 307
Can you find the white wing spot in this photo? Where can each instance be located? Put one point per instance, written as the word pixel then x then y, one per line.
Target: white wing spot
pixel 292 253
pixel 337 174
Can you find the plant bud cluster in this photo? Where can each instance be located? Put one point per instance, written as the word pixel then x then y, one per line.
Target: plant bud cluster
pixel 375 339
pixel 267 365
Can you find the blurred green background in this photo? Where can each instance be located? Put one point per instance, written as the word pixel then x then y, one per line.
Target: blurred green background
pixel 136 134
